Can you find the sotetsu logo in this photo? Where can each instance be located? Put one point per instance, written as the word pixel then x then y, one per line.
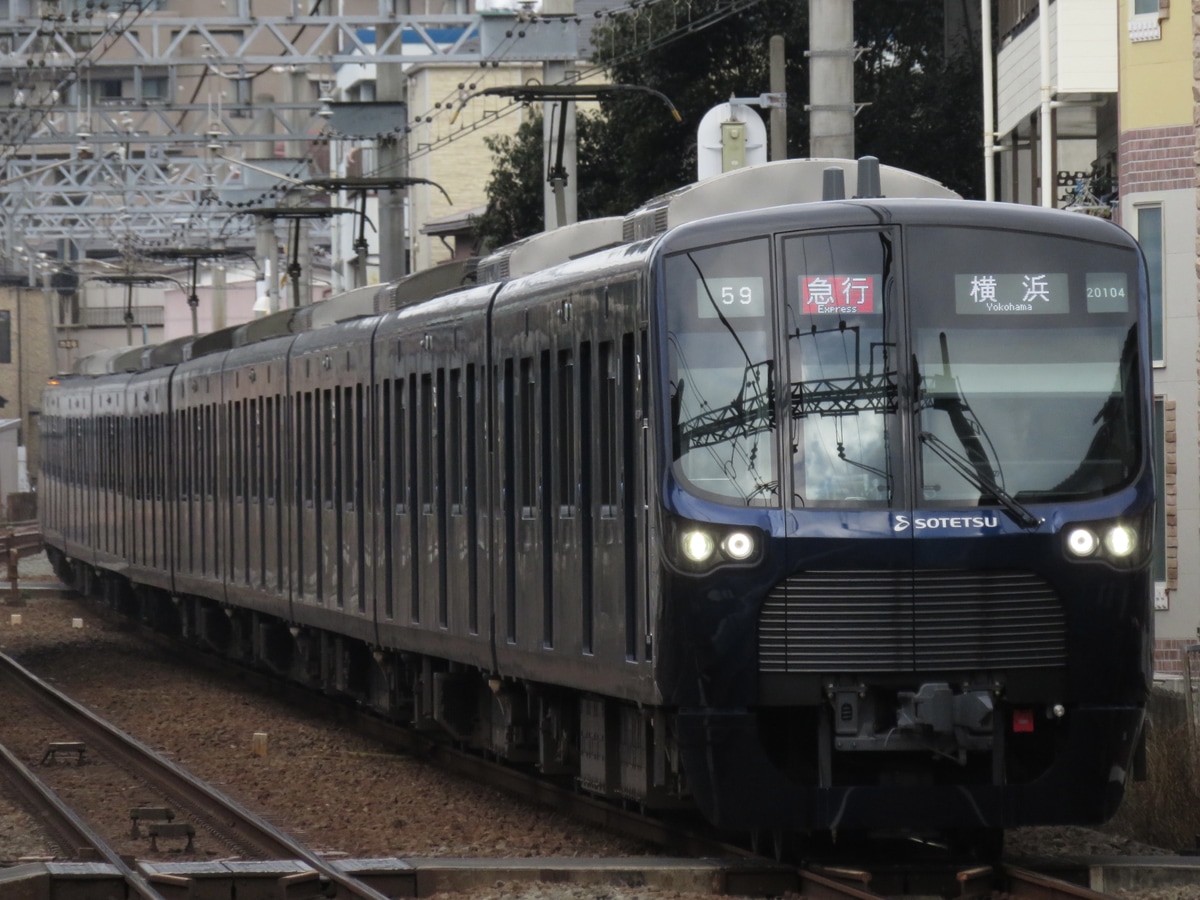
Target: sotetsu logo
pixel 921 523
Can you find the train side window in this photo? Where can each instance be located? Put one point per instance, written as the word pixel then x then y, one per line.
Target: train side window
pixel 271 435
pixel 472 500
pixel 414 569
pixel 426 474
pixel 349 448
pixel 204 421
pixel 140 459
pixel 239 450
pixel 610 439
pixel 566 433
pixel 325 459
pixel 454 445
pixel 311 463
pixel 410 446
pixel 399 451
pixel 527 451
pixel 359 416
pixel 254 448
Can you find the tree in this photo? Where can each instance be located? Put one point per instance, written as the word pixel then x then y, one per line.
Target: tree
pixel 922 114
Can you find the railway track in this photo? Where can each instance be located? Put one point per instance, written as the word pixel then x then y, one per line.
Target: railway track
pixel 975 883
pixel 230 822
pixel 751 876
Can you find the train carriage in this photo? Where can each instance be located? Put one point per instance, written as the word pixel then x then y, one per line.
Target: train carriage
pixel 254 383
pixel 327 372
pixel 199 400
pixel 811 515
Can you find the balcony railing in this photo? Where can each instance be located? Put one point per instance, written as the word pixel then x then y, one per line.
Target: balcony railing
pixel 114 316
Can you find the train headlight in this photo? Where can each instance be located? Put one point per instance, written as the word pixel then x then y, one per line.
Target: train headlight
pixel 697 545
pixel 1082 541
pixel 1120 541
pixel 738 545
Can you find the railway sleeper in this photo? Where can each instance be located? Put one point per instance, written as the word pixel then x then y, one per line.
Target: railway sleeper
pixel 184 830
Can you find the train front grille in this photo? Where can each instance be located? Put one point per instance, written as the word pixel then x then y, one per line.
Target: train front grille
pixel 858 621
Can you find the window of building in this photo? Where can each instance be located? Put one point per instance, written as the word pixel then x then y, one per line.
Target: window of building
pixel 1145 19
pixel 5 336
pixel 1150 236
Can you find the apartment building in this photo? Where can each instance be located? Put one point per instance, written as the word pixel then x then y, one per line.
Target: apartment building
pixel 1114 134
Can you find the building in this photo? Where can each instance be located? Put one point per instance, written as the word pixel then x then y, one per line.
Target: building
pixel 1115 135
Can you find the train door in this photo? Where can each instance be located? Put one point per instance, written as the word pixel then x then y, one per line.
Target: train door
pixel 239 511
pixel 617 629
pixel 272 435
pixel 307 565
pixel 457 507
pixel 329 519
pixel 351 427
pixel 255 440
pixel 529 618
pixel 563 627
pixel 405 607
pixel 428 608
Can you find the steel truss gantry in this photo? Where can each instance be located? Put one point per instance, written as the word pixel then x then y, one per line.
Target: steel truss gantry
pixel 121 171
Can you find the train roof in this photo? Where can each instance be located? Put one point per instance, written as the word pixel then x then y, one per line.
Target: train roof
pixel 779 183
pixel 773 184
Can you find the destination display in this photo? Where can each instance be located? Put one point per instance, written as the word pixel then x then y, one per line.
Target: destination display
pixel 1026 293
pixel 837 294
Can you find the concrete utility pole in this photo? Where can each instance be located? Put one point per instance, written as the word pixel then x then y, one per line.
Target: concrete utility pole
pixel 556 72
pixel 831 78
pixel 392 156
pixel 778 146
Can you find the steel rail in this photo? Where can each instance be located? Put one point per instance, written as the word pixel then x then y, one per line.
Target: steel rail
pixel 64 826
pixel 179 784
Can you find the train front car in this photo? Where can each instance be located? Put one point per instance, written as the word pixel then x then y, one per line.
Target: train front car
pixel 907 508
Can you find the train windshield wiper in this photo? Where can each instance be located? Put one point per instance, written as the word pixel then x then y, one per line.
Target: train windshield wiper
pixel 979 481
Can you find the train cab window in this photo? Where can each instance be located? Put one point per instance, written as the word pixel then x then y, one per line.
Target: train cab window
pixel 841 368
pixel 723 426
pixel 990 314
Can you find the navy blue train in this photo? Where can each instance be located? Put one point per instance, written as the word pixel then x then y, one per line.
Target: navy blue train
pixel 809 514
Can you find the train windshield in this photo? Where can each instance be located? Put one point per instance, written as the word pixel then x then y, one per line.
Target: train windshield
pixel 721 371
pixel 1021 350
pixel 842 359
pixel 1026 356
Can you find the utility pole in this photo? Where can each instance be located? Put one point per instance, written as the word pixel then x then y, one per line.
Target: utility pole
pixel 559 115
pixel 831 78
pixel 778 145
pixel 392 153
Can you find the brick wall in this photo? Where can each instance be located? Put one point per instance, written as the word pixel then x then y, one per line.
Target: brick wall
pixel 1158 159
